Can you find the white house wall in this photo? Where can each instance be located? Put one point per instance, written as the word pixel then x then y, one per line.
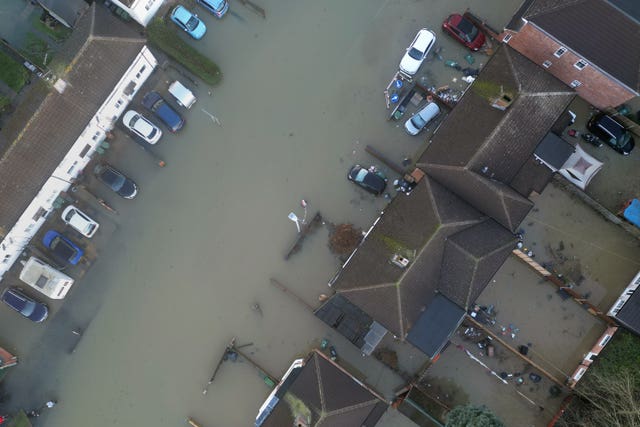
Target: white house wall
pixel 142 11
pixel 75 160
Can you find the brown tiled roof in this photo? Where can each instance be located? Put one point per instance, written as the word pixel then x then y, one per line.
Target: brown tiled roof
pixel 596 30
pixel 479 150
pixel 471 258
pixel 414 226
pixel 47 137
pixel 333 397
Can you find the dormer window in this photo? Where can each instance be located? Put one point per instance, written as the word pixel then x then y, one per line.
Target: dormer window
pixel 580 64
pixel 561 51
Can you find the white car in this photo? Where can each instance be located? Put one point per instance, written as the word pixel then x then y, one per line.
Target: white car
pixel 80 221
pixel 422 118
pixel 141 126
pixel 417 51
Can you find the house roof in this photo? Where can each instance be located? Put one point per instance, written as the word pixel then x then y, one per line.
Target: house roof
pixel 604 34
pixel 415 227
pixel 68 10
pixel 630 7
pixel 104 51
pixel 435 325
pixel 479 150
pixel 629 314
pixel 330 395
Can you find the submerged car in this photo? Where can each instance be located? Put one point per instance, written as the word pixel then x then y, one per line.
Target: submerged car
pixel 188 22
pixel 62 247
pixel 141 126
pixel 611 132
pixel 417 51
pixel 27 306
pixel 421 119
pixel 80 221
pixel 116 181
pixel 371 179
pixel 464 31
pixel 217 7
pixel 158 106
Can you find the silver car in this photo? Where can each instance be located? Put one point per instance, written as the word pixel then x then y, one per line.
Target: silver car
pixel 422 118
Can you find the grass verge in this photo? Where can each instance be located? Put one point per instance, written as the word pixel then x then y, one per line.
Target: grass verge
pixel 12 73
pixel 166 39
pixel 19 420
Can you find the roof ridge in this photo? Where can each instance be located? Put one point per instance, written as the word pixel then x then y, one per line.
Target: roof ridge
pixel 368 288
pixel 350 408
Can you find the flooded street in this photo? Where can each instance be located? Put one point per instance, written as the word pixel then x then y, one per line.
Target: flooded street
pixel 301 97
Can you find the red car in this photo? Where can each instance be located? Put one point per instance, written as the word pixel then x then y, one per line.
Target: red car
pixel 464 31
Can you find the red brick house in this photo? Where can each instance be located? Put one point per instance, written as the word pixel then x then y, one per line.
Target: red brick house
pixel 591 45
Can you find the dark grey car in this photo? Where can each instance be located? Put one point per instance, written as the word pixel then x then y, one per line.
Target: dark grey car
pixel 28 307
pixel 116 181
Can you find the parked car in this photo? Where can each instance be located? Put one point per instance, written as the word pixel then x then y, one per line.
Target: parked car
pixel 141 126
pixel 464 31
pixel 613 133
pixel 183 96
pixel 217 7
pixel 421 119
pixel 28 307
pixel 188 22
pixel 62 247
pixel 417 51
pixel 370 179
pixel 116 181
pixel 158 106
pixel 80 221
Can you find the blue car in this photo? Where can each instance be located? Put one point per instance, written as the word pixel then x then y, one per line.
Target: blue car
pixel 188 22
pixel 28 307
pixel 217 7
pixel 62 248
pixel 158 106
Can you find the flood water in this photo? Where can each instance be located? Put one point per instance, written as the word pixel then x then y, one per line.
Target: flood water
pixel 301 97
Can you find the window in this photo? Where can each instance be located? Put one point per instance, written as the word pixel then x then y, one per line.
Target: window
pixel 580 64
pixel 507 38
pixel 39 214
pixel 575 83
pixel 546 64
pixel 561 51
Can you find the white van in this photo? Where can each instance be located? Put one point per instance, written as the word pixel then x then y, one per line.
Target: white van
pixel 46 279
pixel 183 95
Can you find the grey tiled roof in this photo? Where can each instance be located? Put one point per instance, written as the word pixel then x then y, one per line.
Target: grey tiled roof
pixel 333 397
pixel 629 314
pixel 598 31
pixel 69 10
pixel 471 258
pixel 479 150
pixel 414 226
pixel 53 129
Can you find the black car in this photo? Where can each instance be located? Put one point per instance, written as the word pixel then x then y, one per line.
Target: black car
pixel 28 307
pixel 611 132
pixel 370 179
pixel 116 181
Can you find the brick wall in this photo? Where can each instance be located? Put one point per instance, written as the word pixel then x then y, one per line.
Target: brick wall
pixel 595 87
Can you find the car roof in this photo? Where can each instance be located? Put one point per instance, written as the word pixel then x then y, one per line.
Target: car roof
pixel 424 39
pixel 181 13
pixel 15 298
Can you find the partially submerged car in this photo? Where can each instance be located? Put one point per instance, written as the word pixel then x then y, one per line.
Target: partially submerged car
pixel 421 119
pixel 182 94
pixel 464 31
pixel 188 21
pixel 46 279
pixel 25 305
pixel 612 133
pixel 370 179
pixel 118 182
pixel 141 126
pixel 80 221
pixel 62 248
pixel 417 51
pixel 158 106
pixel 217 7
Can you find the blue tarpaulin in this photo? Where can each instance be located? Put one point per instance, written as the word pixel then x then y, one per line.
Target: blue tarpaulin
pixel 632 212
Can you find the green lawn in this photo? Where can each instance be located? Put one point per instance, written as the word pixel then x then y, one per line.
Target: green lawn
pixel 19 420
pixel 59 33
pixel 167 40
pixel 12 72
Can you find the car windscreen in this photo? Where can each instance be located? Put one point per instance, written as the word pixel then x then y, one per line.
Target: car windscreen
pixel 60 247
pixel 415 54
pixel 192 23
pixel 112 179
pixel 470 31
pixel 418 122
